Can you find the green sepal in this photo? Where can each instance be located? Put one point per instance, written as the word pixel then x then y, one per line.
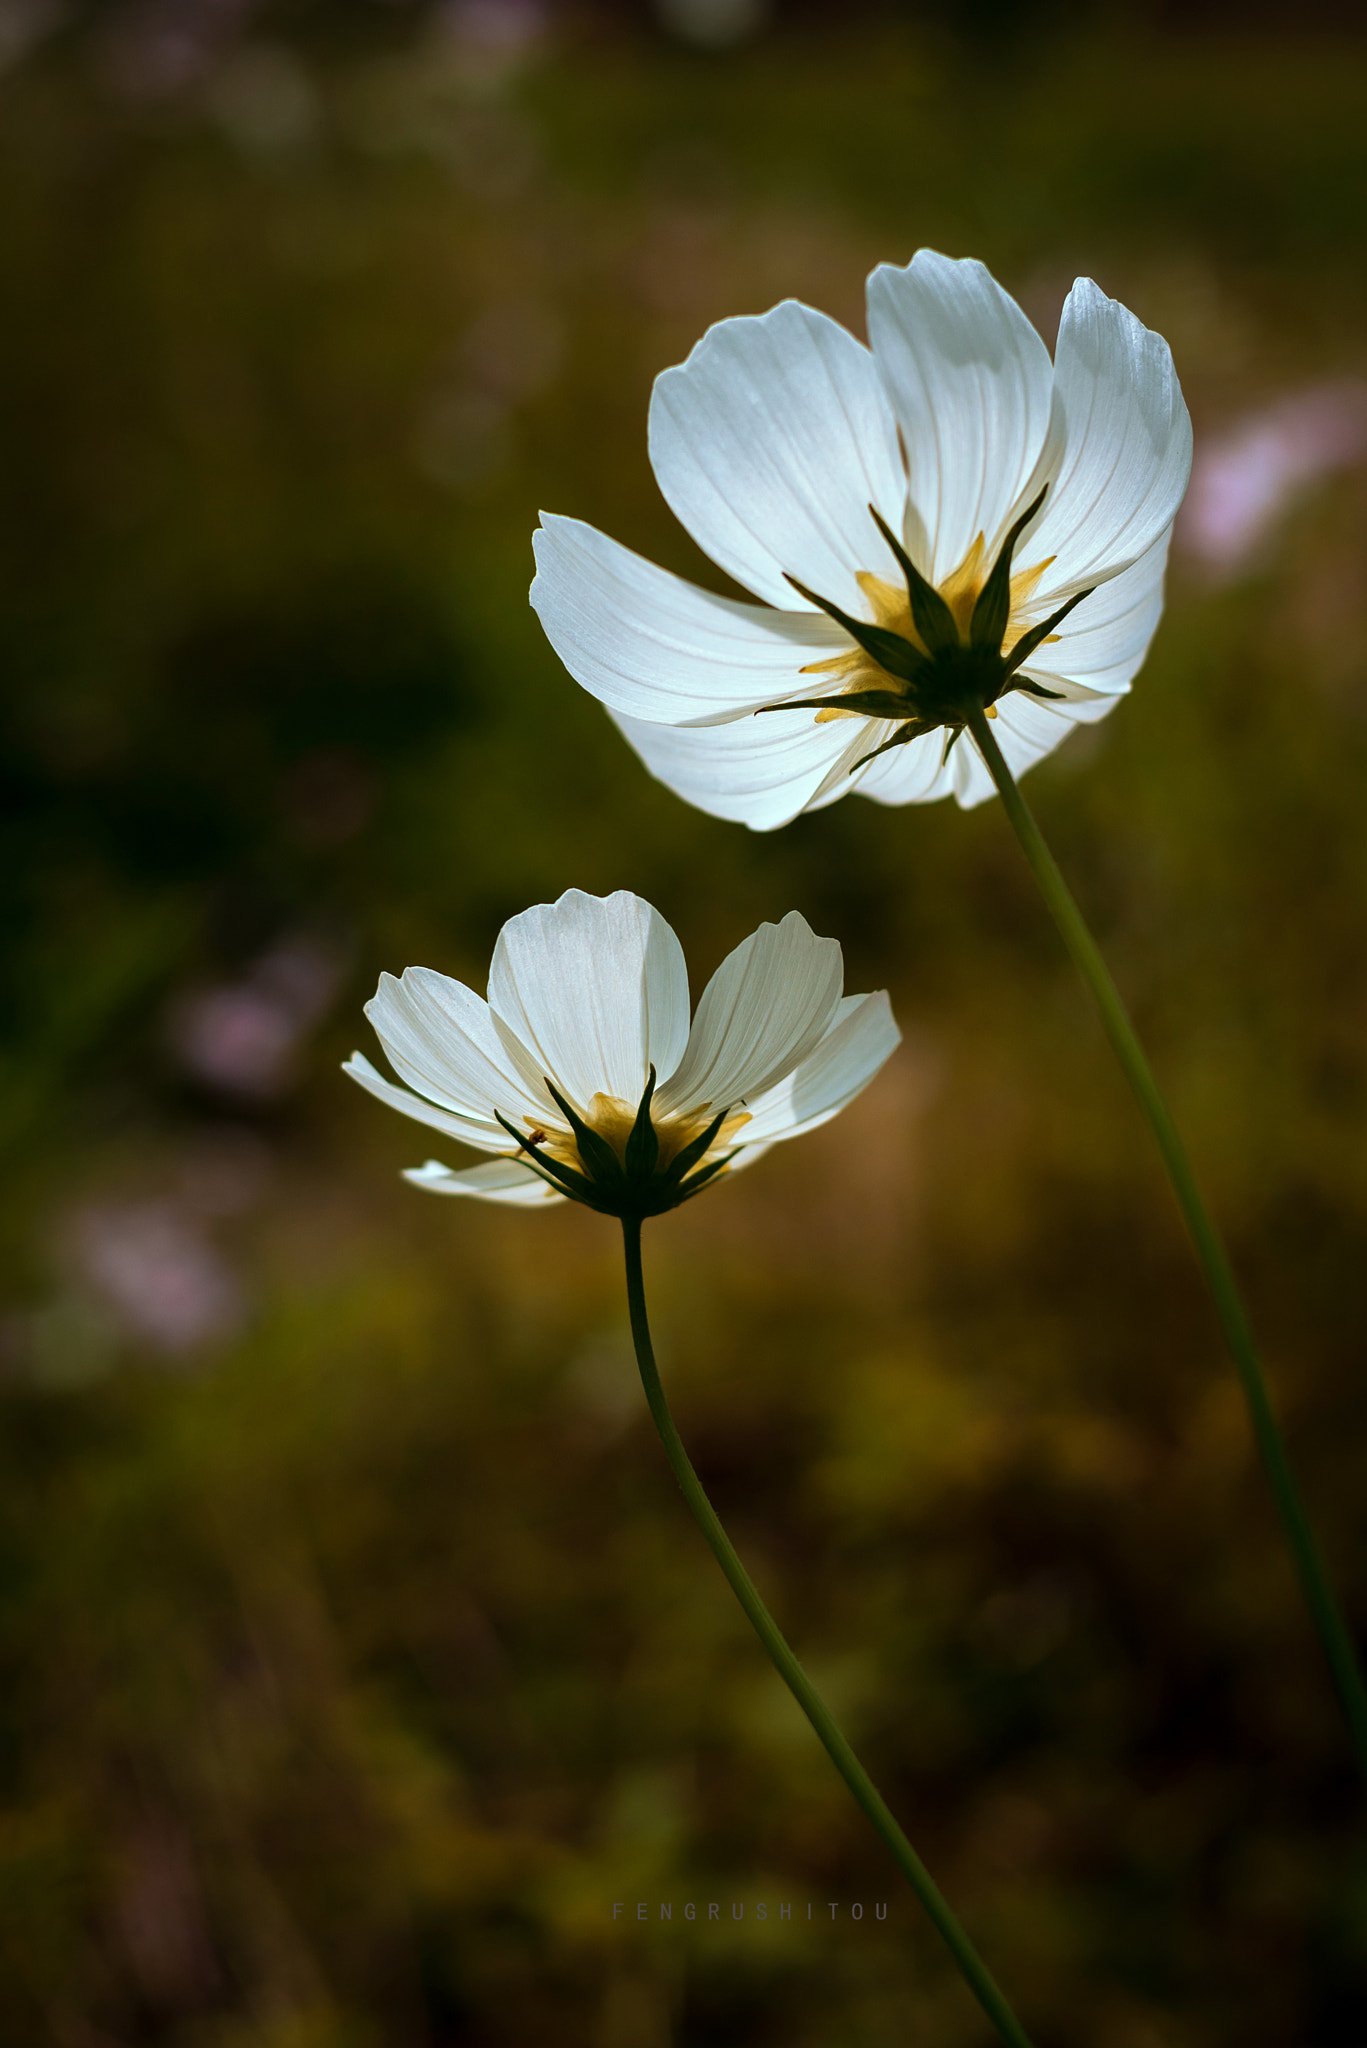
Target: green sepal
pixel 874 704
pixel 1028 642
pixel 992 612
pixel 908 733
pixel 688 1158
pixel 598 1156
pixel 643 1146
pixel 890 650
pixel 933 619
pixel 551 1170
pixel 952 733
pixel 689 1188
pixel 1038 690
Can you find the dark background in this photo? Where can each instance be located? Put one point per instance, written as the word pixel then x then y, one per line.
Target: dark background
pixel 357 1650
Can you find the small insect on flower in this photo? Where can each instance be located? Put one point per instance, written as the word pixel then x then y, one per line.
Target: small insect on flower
pixel 941 523
pixel 582 1074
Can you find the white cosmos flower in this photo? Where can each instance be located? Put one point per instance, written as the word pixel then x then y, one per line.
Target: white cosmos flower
pixel 582 1074
pixel 825 476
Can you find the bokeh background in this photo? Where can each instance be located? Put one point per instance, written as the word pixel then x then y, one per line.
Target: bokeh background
pixel 358 1653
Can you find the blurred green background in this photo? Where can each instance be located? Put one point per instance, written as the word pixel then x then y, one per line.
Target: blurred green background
pixel 357 1650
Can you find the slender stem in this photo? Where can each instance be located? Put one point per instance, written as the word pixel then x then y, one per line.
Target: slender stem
pixel 1210 1251
pixel 971 1964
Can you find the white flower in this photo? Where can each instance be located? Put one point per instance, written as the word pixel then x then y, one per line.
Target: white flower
pixel 830 479
pixel 581 1071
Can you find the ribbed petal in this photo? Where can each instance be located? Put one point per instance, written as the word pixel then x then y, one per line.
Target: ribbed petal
pixel 1103 643
pixel 1125 446
pixel 757 770
pixel 501 1180
pixel 970 382
pixel 911 774
pixel 1026 730
pixel 767 1006
pixel 860 1038
pixel 593 989
pixel 770 443
pixel 485 1136
pixel 440 1038
pixel 652 646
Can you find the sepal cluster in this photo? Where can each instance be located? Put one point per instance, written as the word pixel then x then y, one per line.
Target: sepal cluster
pixel 950 674
pixel 635 1184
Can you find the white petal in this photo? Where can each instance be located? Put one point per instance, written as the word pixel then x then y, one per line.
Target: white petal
pixel 758 770
pixel 648 644
pixel 916 773
pixel 595 988
pixel 501 1180
pixel 854 1048
pixel 440 1038
pixel 1026 730
pixel 1103 642
pixel 485 1136
pixel 970 382
pixel 1126 445
pixel 770 443
pixel 767 1006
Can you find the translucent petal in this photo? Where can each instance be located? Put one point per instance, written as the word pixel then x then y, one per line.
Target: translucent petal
pixel 1122 446
pixel 970 381
pixel 484 1135
pixel 652 646
pixel 910 774
pixel 770 443
pixel 767 1006
pixel 1103 642
pixel 861 1036
pixel 593 989
pixel 499 1180
pixel 756 770
pixel 440 1038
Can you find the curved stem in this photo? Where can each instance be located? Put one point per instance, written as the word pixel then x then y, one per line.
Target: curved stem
pixel 971 1964
pixel 1210 1251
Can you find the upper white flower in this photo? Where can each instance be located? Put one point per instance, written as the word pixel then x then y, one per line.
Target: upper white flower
pixel 581 1070
pixel 824 475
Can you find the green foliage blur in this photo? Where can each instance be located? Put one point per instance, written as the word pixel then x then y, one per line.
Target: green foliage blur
pixel 358 1653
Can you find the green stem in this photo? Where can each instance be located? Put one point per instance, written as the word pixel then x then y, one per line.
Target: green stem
pixel 1210 1252
pixel 971 1964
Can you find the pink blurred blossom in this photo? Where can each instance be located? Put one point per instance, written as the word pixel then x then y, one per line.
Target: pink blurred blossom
pixel 1245 481
pixel 243 1036
pixel 161 1278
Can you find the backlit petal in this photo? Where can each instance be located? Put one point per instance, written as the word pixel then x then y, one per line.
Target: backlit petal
pixel 652 646
pixel 1105 640
pixel 500 1180
pixel 767 1006
pixel 594 989
pixel 484 1135
pixel 758 770
pixel 916 773
pixel 970 381
pixel 770 443
pixel 860 1038
pixel 1125 445
pixel 439 1037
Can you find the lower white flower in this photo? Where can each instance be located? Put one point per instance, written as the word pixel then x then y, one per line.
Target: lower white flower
pixel 582 1074
pixel 945 520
